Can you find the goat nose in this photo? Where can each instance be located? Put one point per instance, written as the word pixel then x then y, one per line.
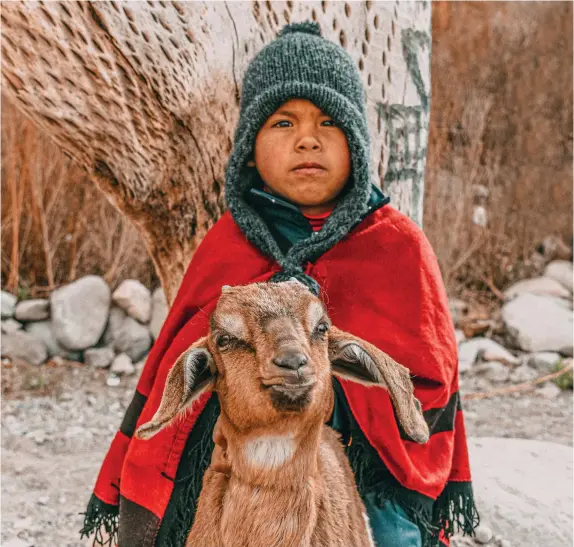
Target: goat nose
pixel 291 360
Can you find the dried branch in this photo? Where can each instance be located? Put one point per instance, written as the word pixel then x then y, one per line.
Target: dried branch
pixel 525 386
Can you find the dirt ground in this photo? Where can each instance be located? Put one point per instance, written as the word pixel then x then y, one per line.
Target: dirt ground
pixel 58 421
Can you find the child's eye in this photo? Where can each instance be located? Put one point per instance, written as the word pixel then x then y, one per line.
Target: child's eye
pixel 329 123
pixel 282 123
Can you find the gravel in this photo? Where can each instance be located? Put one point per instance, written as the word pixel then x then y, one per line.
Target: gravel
pixel 58 421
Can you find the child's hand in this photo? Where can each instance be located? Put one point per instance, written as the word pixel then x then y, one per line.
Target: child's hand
pixel 219 460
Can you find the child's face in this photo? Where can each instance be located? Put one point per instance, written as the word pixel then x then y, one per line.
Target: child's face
pixel 302 156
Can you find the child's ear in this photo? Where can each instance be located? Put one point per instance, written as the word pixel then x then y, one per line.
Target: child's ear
pixel 355 359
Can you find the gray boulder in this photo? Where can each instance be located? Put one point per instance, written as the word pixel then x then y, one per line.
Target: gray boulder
pixel 10 325
pixel 538 323
pixel 159 312
pixel 527 494
pixel 538 285
pixel 99 357
pixel 543 361
pixel 133 339
pixel 8 304
pixel 522 374
pixel 35 309
pixel 561 271
pixel 493 371
pixel 115 322
pixel 484 349
pixel 22 345
pixel 44 331
pixel 80 312
pixel 134 298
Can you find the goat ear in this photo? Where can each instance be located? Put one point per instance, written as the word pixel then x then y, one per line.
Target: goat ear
pixel 354 359
pixel 191 375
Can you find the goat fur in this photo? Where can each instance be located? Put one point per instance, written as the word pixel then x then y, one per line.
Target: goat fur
pixel 290 483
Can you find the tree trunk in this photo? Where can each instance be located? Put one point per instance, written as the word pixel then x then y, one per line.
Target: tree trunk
pixel 145 96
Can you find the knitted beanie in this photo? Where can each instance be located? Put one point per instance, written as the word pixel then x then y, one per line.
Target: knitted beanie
pixel 300 63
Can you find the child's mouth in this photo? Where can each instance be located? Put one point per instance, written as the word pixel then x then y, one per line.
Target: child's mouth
pixel 309 169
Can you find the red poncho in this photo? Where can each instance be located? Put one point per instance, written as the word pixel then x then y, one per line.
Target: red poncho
pixel 381 283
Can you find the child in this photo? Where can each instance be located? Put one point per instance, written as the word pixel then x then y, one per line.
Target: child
pixel 301 204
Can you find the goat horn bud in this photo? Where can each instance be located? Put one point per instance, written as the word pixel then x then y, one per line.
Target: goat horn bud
pixel 225 288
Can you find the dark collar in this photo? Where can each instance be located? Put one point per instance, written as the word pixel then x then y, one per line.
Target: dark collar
pixel 285 220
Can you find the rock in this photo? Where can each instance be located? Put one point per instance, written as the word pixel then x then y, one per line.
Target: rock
pixel 122 364
pixel 561 271
pixel 523 374
pixel 58 361
pixel 527 493
pixel 493 371
pixel 459 335
pixel 543 361
pixel 538 285
pixel 538 323
pixel 505 543
pixel 566 351
pixel 10 325
pixel 134 298
pixel 24 346
pixel 133 339
pixel 159 312
pixel 486 349
pixel 554 247
pixel 8 305
pixel 42 330
pixel 549 391
pixel 483 534
pixel 479 215
pixel 80 312
pixel 99 357
pixel 113 381
pixel 36 309
pixel 43 500
pixel 458 309
pixel 114 326
pixel 37 435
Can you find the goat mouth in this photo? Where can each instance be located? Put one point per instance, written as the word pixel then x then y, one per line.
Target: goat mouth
pixel 289 396
pixel 288 382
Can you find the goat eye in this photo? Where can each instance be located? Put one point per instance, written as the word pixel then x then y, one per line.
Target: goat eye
pixel 223 340
pixel 322 328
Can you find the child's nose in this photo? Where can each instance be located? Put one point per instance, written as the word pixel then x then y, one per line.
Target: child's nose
pixel 308 142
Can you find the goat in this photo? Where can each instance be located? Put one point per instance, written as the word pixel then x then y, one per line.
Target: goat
pixel 269 355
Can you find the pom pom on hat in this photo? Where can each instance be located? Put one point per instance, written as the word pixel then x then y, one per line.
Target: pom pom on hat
pixel 306 27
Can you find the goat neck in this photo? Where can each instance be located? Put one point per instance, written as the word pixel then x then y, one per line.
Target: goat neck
pixel 283 455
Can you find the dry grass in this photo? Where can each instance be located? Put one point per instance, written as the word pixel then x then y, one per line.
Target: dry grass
pixel 56 226
pixel 501 118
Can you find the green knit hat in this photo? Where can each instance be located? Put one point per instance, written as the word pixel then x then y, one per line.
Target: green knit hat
pixel 300 63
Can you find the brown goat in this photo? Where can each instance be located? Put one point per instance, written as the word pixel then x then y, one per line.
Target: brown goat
pixel 270 354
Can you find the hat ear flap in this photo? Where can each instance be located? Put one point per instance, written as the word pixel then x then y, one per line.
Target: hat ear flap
pixel 356 360
pixel 192 374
